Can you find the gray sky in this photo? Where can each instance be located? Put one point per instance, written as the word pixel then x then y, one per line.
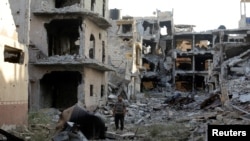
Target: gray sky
pixel 205 14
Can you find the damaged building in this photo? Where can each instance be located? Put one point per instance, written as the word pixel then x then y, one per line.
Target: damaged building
pixel 137 54
pixel 230 61
pixel 125 55
pixel 192 54
pixel 14 26
pixel 67 50
pixel 157 40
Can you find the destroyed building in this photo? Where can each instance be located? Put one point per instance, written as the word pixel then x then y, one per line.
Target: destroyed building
pixel 230 62
pixel 137 53
pixel 192 54
pixel 67 53
pixel 14 26
pixel 157 41
pixel 125 55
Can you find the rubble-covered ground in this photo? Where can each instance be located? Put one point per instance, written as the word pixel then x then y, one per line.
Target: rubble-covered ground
pixel 159 116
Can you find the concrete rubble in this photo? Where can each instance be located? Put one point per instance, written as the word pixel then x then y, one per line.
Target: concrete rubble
pixel 143 115
pixel 174 83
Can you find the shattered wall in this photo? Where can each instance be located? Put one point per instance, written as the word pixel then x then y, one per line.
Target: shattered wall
pixel 68 46
pixel 14 37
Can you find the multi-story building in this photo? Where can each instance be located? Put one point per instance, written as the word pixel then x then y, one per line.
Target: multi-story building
pixel 157 41
pixel 125 49
pixel 68 45
pixel 192 54
pixel 14 29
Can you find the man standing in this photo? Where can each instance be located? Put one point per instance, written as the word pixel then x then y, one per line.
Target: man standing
pixel 119 113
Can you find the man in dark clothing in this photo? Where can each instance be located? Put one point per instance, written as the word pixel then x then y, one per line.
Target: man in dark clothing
pixel 119 113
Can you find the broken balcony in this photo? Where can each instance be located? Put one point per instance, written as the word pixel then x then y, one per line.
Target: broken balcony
pixel 67 60
pixel 69 8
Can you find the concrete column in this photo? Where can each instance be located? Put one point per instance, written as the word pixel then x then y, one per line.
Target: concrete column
pixel 82 39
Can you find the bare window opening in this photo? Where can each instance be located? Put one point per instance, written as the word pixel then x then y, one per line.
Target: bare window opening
pixel 202 62
pixel 166 26
pixel 147 84
pixel 148 65
pixel 64 3
pixel 63 37
pixel 59 89
pixel 91 88
pixel 184 83
pixel 152 83
pixel 183 63
pixel 103 8
pixel 126 28
pixel 149 47
pixel 13 55
pixel 92 5
pixel 150 27
pixel 164 31
pixel 103 51
pixel 92 47
pixel 184 45
pixel 102 90
pixel 199 83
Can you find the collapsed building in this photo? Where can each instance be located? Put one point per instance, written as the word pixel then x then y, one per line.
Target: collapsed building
pixel 175 57
pixel 136 53
pixel 67 53
pixel 231 62
pixel 14 38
